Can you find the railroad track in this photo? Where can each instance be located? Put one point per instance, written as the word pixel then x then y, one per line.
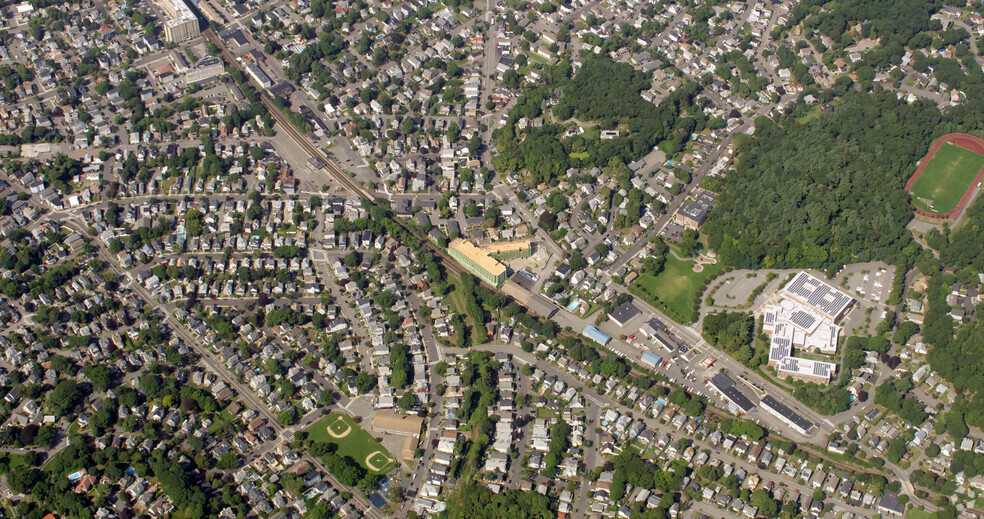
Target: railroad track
pixel 330 167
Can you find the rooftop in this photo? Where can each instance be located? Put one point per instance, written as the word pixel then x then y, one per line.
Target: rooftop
pixel 479 256
pixel 787 413
pixel 817 294
pixel 624 312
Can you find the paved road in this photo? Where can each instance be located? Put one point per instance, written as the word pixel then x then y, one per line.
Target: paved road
pixel 216 366
pixel 594 400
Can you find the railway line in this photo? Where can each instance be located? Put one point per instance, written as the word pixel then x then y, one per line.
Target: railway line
pixel 330 167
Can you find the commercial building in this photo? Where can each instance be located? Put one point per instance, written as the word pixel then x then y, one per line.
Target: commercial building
pixel 787 415
pixel 730 394
pixel 651 327
pixel 624 313
pixel 484 261
pixel 650 359
pixel 205 71
pixel 181 23
pixel 257 73
pixel 596 335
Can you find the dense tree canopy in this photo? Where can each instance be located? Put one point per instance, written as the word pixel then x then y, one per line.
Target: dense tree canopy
pixel 602 91
pixel 478 502
pixel 894 24
pixel 830 190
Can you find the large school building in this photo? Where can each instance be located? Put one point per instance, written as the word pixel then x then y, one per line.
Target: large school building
pixel 805 319
pixel 484 261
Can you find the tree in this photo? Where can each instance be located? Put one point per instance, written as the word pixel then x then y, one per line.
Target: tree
pixel 766 505
pixel 287 417
pixel 99 375
pixel 228 461
pixel 577 261
pixel 193 222
pixel 407 400
pixel 63 398
pixel 364 382
pixel 896 450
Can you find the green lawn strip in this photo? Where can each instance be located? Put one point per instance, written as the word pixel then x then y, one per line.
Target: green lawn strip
pixel 946 178
pixel 356 443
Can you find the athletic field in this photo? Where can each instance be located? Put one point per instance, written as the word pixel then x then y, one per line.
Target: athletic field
pixel 352 440
pixel 945 179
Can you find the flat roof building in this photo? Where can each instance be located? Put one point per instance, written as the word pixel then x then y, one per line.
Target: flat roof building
pixel 402 425
pixel 692 215
pixel 484 261
pixel 821 297
pixel 181 23
pixel 724 385
pixel 624 313
pixel 805 319
pixel 257 73
pixel 650 359
pixel 787 415
pixel 806 370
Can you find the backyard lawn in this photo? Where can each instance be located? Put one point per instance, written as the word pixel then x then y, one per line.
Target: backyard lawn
pixel 352 440
pixel 676 286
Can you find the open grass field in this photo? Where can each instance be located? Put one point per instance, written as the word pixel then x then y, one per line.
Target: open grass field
pixel 677 285
pixel 352 440
pixel 946 178
pixel 919 513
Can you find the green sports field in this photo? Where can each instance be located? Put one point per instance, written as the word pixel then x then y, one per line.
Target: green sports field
pixel 946 178
pixel 352 440
pixel 676 286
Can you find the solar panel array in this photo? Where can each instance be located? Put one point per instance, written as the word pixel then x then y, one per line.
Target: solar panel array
pixel 806 367
pixel 780 349
pixel 803 319
pixel 769 317
pixel 825 298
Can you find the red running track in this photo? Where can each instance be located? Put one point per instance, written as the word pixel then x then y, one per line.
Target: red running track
pixel 966 141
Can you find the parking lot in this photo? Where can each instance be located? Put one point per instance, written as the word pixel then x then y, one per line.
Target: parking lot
pixel 738 286
pixel 871 281
pixel 871 284
pixel 671 232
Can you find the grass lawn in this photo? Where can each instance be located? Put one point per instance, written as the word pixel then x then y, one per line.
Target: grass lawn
pixel 15 460
pixel 593 309
pixel 677 285
pixel 352 440
pixel 458 304
pixel 220 421
pixel 919 513
pixel 581 155
pixel 814 113
pixel 946 178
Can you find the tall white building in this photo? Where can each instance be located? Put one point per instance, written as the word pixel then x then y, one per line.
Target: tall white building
pixel 181 24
